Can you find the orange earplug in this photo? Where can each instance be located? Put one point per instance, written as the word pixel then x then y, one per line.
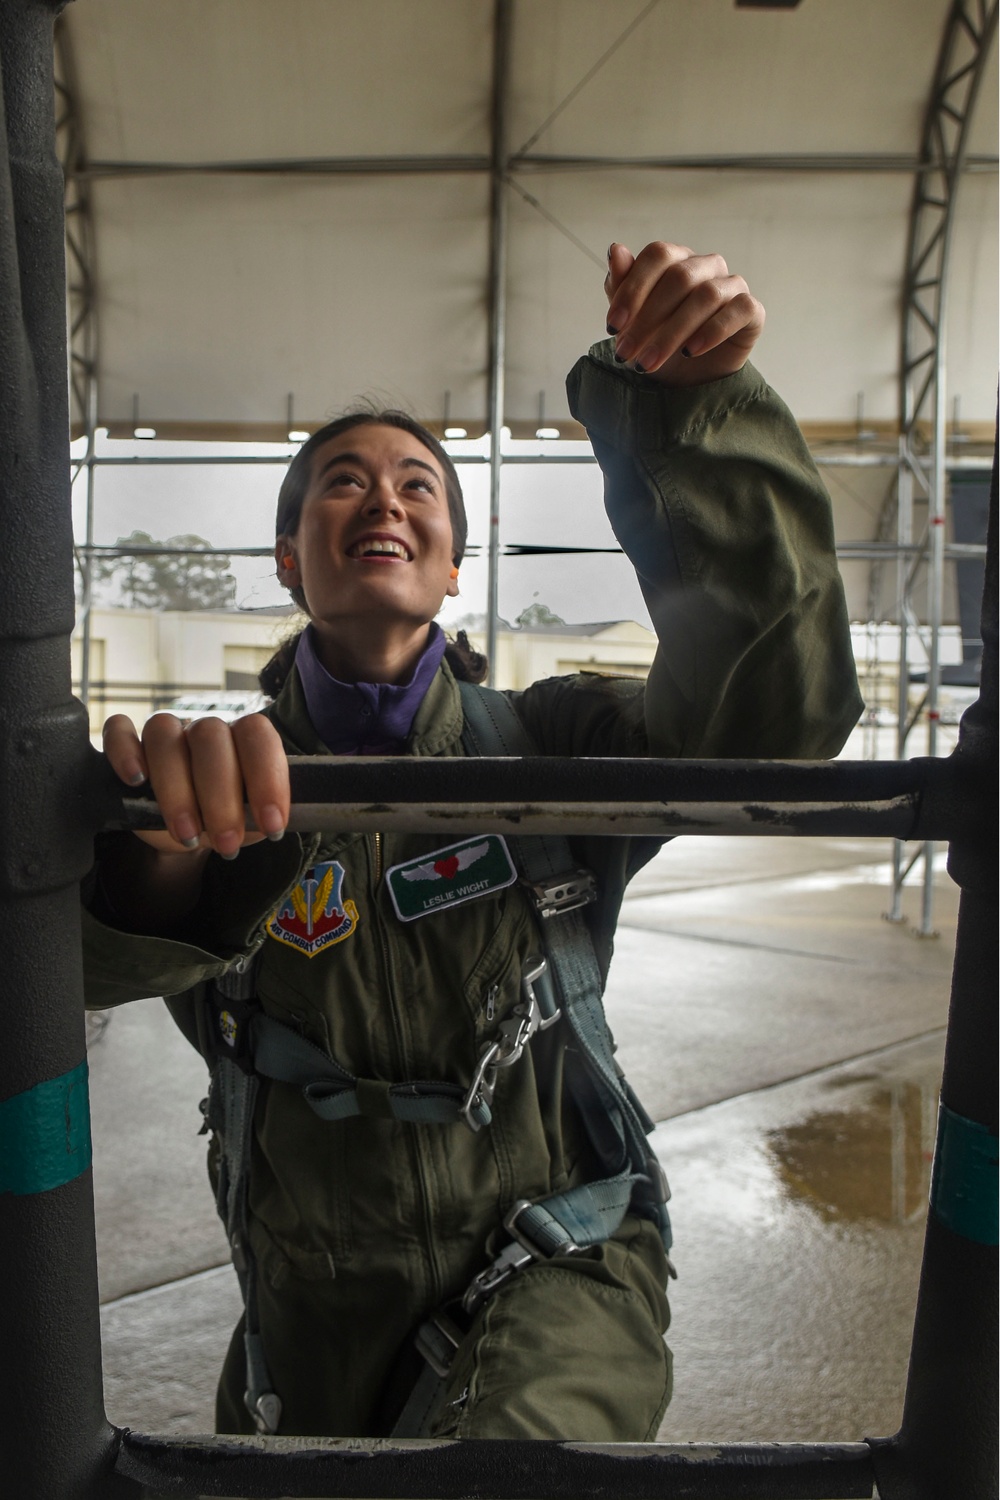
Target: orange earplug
pixel 453 573
pixel 288 562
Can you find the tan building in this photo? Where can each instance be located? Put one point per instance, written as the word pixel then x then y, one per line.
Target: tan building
pixel 142 660
pixel 618 647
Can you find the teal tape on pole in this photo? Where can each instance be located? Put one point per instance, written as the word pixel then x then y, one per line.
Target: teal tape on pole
pixel 964 1180
pixel 45 1134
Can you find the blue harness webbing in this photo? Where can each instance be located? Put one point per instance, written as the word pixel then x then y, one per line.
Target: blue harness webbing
pixel 232 1096
pixel 615 1120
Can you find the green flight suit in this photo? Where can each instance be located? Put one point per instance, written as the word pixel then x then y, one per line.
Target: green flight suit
pixel 363 1227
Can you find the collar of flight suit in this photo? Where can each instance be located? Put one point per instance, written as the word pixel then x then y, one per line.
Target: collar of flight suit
pixel 437 725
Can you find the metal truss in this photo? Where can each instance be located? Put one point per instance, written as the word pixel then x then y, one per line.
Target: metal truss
pixel 502 25
pixel 923 461
pixel 444 165
pixel 81 308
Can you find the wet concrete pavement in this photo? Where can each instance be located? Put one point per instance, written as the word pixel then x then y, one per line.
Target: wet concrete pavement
pixel 799 1213
pixel 790 1041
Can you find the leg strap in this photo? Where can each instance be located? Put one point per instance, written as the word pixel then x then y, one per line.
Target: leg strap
pixel 236 1094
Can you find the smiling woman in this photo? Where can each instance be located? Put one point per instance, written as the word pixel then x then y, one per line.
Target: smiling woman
pixel 441 1229
pixel 371 530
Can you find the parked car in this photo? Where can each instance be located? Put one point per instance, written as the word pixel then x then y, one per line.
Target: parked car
pixel 226 704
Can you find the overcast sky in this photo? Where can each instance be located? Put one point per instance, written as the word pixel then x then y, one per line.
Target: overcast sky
pixel 233 506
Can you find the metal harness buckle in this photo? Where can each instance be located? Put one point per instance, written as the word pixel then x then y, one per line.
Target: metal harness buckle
pixel 512 1258
pixel 563 893
pixel 437 1340
pixel 514 1035
pixel 568 1247
pixel 266 1411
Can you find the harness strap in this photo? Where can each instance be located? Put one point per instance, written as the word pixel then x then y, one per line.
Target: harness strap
pixel 615 1121
pixel 334 1093
pixel 582 1216
pixel 236 1091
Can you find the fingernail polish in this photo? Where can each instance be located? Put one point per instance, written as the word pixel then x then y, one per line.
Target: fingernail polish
pixel 639 369
pixel 610 248
pixel 136 778
pixel 612 330
pixel 619 358
pixel 686 352
pixel 185 831
pixel 271 822
pixel 235 855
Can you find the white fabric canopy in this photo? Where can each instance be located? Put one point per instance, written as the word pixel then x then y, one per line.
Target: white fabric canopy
pixel 219 293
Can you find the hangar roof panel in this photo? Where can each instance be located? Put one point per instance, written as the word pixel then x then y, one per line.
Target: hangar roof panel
pixel 218 80
pixel 219 294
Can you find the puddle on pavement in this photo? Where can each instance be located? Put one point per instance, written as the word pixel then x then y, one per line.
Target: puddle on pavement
pixel 868 1161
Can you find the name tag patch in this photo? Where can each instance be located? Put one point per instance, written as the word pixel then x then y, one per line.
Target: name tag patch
pixel 448 877
pixel 314 915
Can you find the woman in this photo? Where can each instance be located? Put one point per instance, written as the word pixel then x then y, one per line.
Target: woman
pixel 361 1229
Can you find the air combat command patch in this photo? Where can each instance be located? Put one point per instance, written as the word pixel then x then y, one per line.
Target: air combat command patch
pixel 314 916
pixel 462 872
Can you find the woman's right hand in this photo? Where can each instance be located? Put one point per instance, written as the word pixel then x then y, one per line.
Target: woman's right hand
pixel 201 775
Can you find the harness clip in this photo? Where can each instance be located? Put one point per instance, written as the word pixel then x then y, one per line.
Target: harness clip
pixel 568 1247
pixel 563 893
pixel 512 1257
pixel 266 1411
pixel 513 1036
pixel 437 1340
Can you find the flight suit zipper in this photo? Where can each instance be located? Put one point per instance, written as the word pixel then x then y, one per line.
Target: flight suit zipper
pixel 399 1064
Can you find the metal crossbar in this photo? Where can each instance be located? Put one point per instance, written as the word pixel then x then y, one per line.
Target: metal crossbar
pixel 916 799
pixel 414 1469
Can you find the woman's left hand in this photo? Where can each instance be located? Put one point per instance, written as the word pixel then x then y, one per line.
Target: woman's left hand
pixel 679 317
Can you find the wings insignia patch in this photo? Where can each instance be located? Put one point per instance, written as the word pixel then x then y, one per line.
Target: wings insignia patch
pixel 448 877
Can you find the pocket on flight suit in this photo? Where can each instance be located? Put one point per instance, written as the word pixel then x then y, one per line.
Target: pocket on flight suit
pixel 569 1349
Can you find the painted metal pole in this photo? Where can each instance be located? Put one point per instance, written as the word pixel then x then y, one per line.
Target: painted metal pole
pixel 904 537
pixel 947 1444
pixel 969 30
pixel 55 1443
pixel 927 797
pixel 87 602
pixel 502 16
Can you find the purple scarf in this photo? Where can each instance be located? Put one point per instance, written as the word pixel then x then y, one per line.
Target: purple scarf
pixel 365 718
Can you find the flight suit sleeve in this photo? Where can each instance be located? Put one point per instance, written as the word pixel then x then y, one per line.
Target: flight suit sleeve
pixel 715 499
pixel 237 899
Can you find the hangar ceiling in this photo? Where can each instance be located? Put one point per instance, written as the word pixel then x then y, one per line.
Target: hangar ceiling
pixel 295 199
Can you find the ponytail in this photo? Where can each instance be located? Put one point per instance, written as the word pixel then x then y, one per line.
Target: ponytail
pixel 272 676
pixel 467 664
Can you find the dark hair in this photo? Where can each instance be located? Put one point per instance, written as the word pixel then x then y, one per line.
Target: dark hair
pixel 467 664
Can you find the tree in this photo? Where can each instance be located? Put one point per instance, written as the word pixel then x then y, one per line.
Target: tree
pixel 182 581
pixel 538 614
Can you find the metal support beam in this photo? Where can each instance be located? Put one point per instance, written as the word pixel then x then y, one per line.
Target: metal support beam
pixel 55 1443
pixel 923 798
pixel 81 307
pixel 442 165
pixel 969 32
pixel 503 1470
pixel 947 1444
pixel 502 19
